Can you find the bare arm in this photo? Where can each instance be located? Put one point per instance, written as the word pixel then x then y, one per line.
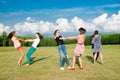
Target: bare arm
pixel 29 40
pixel 62 38
pixel 73 37
pixel 20 39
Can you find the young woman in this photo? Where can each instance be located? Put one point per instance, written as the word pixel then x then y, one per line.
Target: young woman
pixel 79 50
pixel 97 54
pixel 96 41
pixel 33 47
pixel 17 45
pixel 61 49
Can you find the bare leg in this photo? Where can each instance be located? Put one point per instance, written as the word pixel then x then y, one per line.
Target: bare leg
pixel 101 57
pixel 73 63
pixel 21 57
pixel 97 55
pixel 94 58
pixel 80 61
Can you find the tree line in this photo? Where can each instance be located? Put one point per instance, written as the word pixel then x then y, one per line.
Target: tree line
pixel 106 39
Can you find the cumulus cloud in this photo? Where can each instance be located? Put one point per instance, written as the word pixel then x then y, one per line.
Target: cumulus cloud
pixel 100 19
pixel 5 28
pixel 31 26
pixel 112 24
pixel 103 23
pixel 63 25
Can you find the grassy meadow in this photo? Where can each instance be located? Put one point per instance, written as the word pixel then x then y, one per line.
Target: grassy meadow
pixel 45 65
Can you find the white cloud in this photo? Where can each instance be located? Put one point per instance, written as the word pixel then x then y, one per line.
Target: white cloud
pixel 29 27
pixel 103 23
pixel 28 18
pixel 5 28
pixel 111 6
pixel 63 25
pixel 112 24
pixel 77 23
pixel 100 19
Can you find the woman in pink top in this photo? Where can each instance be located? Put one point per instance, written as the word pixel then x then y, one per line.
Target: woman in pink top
pixel 79 50
pixel 17 45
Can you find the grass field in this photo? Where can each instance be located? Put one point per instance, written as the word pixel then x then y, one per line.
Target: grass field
pixel 45 65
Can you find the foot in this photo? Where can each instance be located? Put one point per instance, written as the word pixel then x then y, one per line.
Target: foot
pixel 102 62
pixel 27 65
pixel 61 68
pixel 94 62
pixel 81 68
pixel 19 63
pixel 71 68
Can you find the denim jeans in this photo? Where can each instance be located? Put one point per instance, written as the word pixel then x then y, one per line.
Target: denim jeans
pixel 62 49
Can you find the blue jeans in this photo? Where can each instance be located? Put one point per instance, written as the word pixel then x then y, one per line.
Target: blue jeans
pixel 62 49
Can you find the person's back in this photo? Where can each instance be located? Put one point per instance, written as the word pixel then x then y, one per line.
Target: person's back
pixel 97 43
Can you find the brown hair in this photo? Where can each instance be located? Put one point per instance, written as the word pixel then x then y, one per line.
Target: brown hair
pixel 82 30
pixel 40 36
pixel 11 34
pixel 55 32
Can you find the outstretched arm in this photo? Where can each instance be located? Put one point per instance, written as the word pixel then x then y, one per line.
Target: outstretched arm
pixel 20 39
pixel 29 40
pixel 62 38
pixel 73 37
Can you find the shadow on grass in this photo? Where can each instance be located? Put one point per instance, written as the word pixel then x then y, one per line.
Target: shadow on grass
pixel 90 58
pixel 33 61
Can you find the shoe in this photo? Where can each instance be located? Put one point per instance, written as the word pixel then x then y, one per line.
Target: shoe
pixel 81 68
pixel 27 65
pixel 61 68
pixel 71 68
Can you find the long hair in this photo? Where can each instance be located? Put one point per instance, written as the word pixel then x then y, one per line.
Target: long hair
pixel 10 35
pixel 55 32
pixel 40 36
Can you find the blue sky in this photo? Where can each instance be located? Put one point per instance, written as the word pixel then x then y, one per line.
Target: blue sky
pixel 17 11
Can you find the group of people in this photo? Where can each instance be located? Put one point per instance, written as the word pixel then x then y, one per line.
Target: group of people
pixel 17 45
pixel 78 51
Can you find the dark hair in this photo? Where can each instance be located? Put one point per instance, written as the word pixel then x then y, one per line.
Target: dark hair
pixel 55 32
pixel 82 30
pixel 11 34
pixel 40 36
pixel 95 32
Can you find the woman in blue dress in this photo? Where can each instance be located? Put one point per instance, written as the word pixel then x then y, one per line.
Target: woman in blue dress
pixel 96 48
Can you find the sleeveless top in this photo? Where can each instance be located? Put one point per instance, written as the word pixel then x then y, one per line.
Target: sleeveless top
pixel 15 42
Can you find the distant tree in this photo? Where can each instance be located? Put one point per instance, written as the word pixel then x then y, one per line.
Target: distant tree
pixel 4 38
pixel 0 40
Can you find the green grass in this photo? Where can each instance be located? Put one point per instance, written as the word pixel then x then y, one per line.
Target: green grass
pixel 46 65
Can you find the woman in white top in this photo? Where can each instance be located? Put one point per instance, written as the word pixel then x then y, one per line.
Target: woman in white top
pixel 33 47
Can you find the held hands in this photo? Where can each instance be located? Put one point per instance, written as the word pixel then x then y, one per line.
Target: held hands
pixel 26 41
pixel 66 38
